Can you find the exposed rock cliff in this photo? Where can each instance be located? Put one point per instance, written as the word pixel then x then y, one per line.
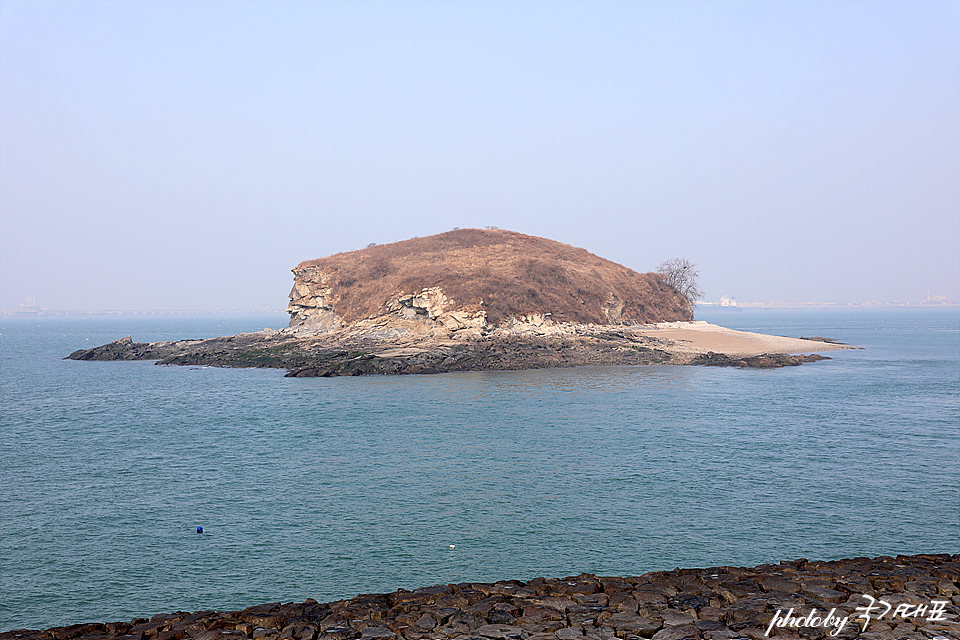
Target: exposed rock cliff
pixel 477 278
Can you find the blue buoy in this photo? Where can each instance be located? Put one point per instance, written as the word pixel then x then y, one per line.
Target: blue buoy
pixel 199 529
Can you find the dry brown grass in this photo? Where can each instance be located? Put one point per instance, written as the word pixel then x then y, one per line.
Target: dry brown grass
pixel 505 273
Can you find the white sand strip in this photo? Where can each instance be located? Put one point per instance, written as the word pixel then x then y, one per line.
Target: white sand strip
pixel 701 337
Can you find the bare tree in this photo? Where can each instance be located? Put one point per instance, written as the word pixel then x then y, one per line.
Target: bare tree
pixel 681 274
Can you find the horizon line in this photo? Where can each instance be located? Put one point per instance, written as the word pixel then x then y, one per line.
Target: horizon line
pixel 24 310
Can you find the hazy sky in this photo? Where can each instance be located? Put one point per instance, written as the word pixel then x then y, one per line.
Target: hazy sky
pixel 186 155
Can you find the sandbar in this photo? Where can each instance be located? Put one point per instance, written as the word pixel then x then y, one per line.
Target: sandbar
pixel 702 337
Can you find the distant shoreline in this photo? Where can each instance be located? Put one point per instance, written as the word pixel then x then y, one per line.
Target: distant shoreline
pixel 703 308
pixel 138 312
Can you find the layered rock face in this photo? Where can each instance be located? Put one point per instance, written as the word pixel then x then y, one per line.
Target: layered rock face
pixel 477 278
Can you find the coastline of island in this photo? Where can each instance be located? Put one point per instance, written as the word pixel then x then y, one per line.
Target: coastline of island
pixel 413 347
pixel 477 300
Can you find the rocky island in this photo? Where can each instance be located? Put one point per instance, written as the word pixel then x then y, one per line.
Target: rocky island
pixel 885 598
pixel 472 300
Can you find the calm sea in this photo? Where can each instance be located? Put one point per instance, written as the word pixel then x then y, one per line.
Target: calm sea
pixel 326 488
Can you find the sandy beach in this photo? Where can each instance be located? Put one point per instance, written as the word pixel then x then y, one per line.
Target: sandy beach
pixel 702 337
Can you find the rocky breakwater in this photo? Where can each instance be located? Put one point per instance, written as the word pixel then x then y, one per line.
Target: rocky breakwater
pixel 885 598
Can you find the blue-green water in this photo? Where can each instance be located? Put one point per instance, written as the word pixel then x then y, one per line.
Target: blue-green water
pixel 326 488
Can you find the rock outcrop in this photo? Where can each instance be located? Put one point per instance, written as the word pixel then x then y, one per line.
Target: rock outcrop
pixel 127 349
pixel 762 361
pixel 904 598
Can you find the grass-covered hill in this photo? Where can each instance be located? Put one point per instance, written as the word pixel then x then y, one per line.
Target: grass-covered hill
pixel 504 273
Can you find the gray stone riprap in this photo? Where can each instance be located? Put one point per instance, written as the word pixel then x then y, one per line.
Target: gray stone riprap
pixel 719 603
